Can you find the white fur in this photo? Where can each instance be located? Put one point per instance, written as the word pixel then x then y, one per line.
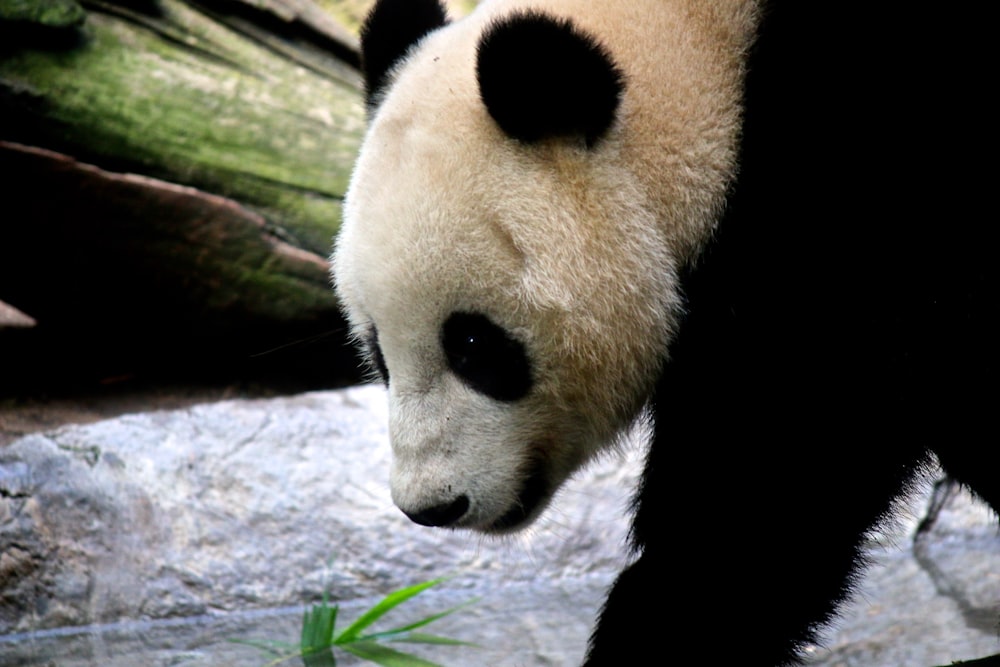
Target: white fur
pixel 572 250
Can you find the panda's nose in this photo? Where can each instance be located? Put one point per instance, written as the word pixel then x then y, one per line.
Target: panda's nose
pixel 444 514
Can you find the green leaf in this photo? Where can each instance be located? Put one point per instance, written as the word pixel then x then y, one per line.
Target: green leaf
pixel 387 604
pixel 317 627
pixel 318 638
pixel 419 624
pixel 385 656
pixel 422 638
pixel 321 658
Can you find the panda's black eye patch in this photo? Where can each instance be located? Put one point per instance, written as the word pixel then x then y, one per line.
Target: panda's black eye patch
pixel 486 357
pixel 375 357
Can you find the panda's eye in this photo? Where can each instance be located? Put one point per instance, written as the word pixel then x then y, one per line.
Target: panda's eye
pixel 375 357
pixel 486 357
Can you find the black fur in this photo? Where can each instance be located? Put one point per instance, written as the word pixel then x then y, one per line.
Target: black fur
pixel 375 358
pixel 485 357
pixel 389 30
pixel 541 77
pixel 841 328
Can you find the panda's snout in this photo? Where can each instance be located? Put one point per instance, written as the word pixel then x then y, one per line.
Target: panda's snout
pixel 441 515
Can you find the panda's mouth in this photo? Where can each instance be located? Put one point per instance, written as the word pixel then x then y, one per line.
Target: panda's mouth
pixel 534 490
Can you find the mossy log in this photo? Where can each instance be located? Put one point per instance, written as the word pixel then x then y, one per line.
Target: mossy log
pixel 224 97
pixel 127 276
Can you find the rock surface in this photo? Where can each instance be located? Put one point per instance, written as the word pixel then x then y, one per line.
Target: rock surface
pixel 156 538
pixel 927 599
pixel 242 505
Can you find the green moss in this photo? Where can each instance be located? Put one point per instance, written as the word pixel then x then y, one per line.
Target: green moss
pixel 350 13
pixel 183 98
pixel 49 13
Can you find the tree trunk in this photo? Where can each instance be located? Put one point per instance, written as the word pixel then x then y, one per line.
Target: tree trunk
pixel 128 276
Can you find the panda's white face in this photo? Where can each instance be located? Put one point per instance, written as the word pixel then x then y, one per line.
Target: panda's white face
pixel 516 296
pixel 513 322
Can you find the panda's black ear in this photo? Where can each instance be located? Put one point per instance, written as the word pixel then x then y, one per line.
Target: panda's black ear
pixel 542 77
pixel 389 30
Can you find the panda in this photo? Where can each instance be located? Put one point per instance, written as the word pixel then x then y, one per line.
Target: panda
pixel 756 223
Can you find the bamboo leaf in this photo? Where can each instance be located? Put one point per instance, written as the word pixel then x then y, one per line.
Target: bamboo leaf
pixel 387 604
pixel 385 656
pixel 419 624
pixel 317 627
pixel 422 638
pixel 319 658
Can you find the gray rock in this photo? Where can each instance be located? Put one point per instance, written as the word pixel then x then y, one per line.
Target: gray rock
pixel 245 505
pixel 155 538
pixel 925 600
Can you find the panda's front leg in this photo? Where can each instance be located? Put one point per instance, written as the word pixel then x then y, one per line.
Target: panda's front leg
pixel 727 586
pixel 631 617
pixel 750 527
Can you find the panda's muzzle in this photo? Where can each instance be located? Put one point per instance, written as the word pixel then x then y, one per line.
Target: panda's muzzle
pixel 533 492
pixel 441 515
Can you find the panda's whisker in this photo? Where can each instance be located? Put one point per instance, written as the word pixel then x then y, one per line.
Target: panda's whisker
pixel 333 333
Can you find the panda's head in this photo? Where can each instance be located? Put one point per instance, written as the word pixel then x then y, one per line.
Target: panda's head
pixel 505 260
